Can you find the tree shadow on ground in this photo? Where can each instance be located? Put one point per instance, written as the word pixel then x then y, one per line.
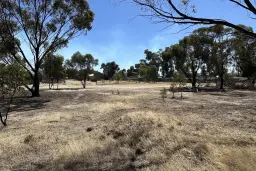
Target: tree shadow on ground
pixel 210 89
pixel 25 103
pixel 60 89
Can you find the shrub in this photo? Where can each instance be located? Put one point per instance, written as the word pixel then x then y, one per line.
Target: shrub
pixel 201 151
pixel 240 86
pixel 173 88
pixel 163 93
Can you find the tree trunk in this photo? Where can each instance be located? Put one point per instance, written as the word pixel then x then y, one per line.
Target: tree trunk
pixel 36 83
pixel 194 82
pixel 221 76
pixel 84 83
pixel 49 83
pixel 3 120
pixel 221 81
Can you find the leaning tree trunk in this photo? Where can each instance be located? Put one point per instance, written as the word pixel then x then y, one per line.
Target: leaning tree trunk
pixel 3 120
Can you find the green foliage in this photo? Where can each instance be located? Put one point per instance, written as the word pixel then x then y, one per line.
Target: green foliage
pixel 80 66
pixel 50 24
pixel 132 72
pixel 148 73
pixel 245 53
pixel 221 51
pixel 46 25
pixel 167 64
pixel 53 68
pixel 120 75
pixel 143 72
pixel 12 77
pixel 161 61
pixel 96 76
pixel 211 51
pixel 191 52
pixel 148 69
pixel 109 69
pixel 71 73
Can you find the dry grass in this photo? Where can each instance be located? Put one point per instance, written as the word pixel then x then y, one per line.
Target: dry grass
pixel 94 129
pixel 239 159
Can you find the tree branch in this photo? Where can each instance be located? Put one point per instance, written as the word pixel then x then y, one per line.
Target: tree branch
pixel 250 6
pixel 241 5
pixel 183 18
pixel 8 109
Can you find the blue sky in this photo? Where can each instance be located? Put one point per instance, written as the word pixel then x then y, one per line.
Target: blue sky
pixel 116 36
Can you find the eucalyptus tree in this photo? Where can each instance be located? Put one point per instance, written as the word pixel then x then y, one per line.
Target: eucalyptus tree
pixel 83 65
pixel 109 69
pixel 120 75
pixel 153 58
pixel 42 26
pixel 245 54
pixel 132 72
pixel 148 73
pixel 167 64
pixel 53 68
pixel 162 61
pixel 153 64
pixel 191 53
pixel 221 51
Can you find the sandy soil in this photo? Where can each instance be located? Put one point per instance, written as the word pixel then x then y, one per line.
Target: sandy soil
pixel 98 129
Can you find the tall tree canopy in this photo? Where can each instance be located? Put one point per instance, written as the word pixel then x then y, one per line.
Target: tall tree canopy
pixel 209 51
pixel 183 12
pixel 167 65
pixel 245 54
pixel 120 75
pixel 82 65
pixel 45 26
pixel 132 72
pixel 191 52
pixel 109 69
pixel 53 68
pixel 220 51
pixel 148 73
